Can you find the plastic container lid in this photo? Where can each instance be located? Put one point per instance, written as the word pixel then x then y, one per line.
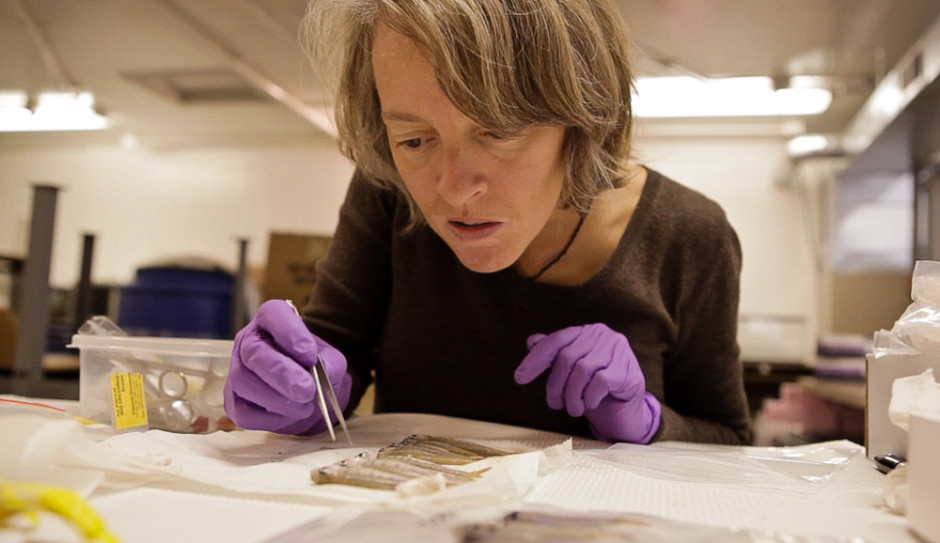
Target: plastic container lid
pixel 156 345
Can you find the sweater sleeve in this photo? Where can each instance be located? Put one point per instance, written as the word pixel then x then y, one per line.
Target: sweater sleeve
pixel 704 393
pixel 350 298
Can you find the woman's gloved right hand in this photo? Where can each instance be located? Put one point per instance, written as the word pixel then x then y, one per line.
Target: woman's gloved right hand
pixel 269 384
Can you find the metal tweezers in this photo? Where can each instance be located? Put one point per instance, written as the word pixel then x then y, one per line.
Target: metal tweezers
pixel 324 392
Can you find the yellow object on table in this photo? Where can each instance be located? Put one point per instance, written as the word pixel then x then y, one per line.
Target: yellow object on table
pixel 28 499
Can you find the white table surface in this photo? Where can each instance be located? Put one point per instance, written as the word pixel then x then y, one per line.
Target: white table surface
pixel 254 486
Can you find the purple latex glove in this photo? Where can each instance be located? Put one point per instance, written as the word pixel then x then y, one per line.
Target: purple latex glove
pixel 269 385
pixel 594 373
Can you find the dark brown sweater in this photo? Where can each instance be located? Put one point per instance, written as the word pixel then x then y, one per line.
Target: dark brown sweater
pixel 442 339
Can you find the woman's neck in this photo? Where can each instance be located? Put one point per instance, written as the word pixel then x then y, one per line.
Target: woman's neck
pixel 596 239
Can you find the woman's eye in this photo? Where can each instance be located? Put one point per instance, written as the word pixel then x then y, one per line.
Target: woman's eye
pixel 502 136
pixel 412 143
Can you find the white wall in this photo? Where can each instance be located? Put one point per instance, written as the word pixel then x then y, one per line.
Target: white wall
pixel 150 205
pixel 147 205
pixel 740 173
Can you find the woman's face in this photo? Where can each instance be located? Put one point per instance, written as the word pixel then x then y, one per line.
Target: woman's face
pixel 486 196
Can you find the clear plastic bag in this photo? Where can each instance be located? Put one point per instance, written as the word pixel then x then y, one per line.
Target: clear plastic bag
pixel 797 469
pixel 918 328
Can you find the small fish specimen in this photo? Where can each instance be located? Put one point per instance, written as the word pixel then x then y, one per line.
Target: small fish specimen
pixel 440 450
pixel 415 457
pixel 551 527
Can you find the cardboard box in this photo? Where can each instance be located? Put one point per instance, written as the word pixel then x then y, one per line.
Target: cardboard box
pixel 881 435
pixel 8 327
pixel 291 268
pixel 923 499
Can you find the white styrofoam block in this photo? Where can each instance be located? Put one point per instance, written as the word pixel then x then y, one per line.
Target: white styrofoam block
pixel 775 339
pixel 923 498
pixel 881 435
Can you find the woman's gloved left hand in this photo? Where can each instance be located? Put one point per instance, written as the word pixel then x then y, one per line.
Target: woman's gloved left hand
pixel 594 373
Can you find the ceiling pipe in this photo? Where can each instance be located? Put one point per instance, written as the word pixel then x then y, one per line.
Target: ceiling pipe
pixel 265 18
pixel 317 116
pixel 46 52
pixel 916 71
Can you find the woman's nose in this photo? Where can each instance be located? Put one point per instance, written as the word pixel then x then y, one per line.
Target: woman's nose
pixel 460 179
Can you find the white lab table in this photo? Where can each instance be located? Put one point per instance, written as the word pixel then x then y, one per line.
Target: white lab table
pixel 254 486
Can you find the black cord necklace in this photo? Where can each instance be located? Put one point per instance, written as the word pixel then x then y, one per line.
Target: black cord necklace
pixel 563 251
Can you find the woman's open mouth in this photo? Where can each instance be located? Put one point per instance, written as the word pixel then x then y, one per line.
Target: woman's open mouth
pixel 473 230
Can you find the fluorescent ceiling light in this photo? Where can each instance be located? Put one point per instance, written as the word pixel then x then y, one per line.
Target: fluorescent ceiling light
pixel 807 145
pixel 685 96
pixel 13 98
pixel 53 111
pixel 13 110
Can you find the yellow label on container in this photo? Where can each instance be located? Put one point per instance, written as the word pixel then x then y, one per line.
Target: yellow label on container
pixel 127 398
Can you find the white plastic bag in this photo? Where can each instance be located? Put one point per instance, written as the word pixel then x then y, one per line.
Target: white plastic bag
pixel 918 328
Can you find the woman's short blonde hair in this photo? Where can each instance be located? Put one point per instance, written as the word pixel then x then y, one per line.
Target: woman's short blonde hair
pixel 506 64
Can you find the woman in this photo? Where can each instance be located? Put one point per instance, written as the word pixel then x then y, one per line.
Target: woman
pixel 498 256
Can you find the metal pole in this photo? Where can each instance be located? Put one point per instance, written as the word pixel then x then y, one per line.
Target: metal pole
pixel 239 306
pixel 34 286
pixel 83 293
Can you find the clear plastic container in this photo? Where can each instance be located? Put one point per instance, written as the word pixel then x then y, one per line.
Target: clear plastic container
pixel 141 383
